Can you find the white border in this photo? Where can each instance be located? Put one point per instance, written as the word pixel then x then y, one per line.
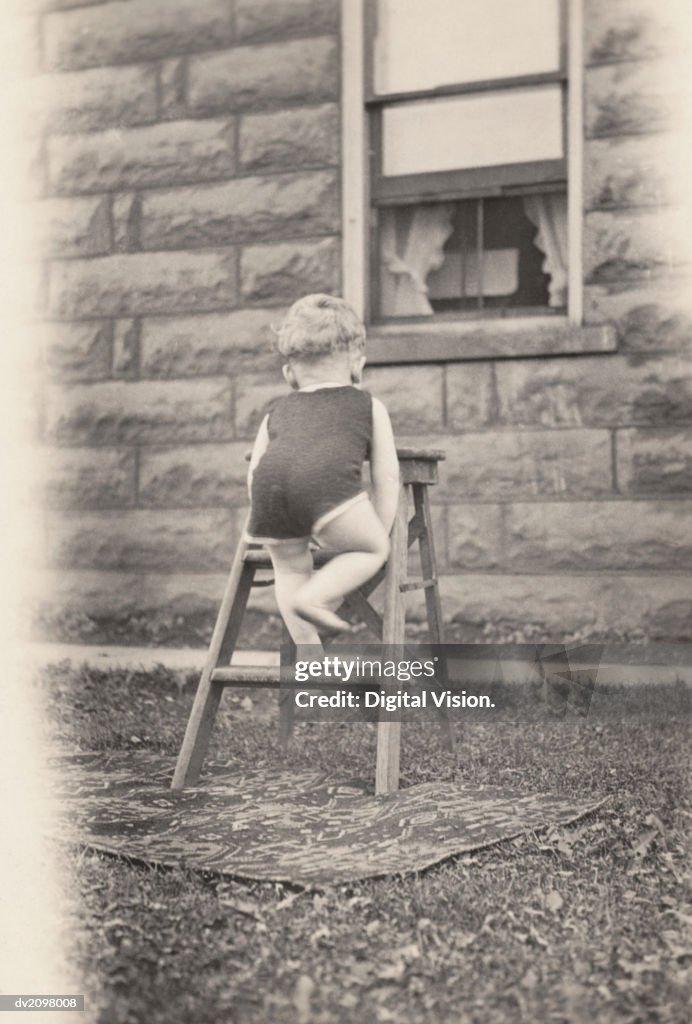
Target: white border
pixel 353 157
pixel 575 160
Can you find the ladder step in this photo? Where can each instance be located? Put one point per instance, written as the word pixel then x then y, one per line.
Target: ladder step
pixel 247 675
pixel 418 584
pixel 259 557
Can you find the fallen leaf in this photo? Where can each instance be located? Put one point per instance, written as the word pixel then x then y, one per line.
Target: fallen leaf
pixel 537 938
pixel 359 973
pixel 653 821
pixel 642 847
pixel 302 997
pixel 360 901
pixel 554 901
pixel 240 906
pixel 384 1015
pixel 392 972
pixel 288 901
pixel 670 864
pixel 409 952
pixel 671 940
pixel 320 933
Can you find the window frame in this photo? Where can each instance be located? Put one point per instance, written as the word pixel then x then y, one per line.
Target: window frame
pixel 447 339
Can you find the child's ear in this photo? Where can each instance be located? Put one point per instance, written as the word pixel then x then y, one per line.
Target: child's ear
pixel 357 364
pixel 289 376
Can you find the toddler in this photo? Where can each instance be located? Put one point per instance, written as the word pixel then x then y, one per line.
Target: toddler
pixel 305 476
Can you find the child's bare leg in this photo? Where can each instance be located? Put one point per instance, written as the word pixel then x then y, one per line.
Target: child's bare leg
pixel 361 540
pixel 292 564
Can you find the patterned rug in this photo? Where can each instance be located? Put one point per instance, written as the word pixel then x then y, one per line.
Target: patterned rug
pixel 299 827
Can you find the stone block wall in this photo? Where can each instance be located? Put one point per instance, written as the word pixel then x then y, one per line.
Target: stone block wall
pixel 189 189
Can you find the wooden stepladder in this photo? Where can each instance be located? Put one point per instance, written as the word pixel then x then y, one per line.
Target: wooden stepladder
pixel 418 468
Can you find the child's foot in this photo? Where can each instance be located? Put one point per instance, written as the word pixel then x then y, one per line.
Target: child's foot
pixel 323 618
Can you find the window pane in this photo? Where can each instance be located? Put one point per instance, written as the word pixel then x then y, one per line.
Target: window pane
pixel 422 44
pixel 457 132
pixel 502 253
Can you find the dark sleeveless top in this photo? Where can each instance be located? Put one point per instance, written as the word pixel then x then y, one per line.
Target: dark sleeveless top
pixel 318 441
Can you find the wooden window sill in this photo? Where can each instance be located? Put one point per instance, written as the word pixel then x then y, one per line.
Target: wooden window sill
pixel 453 341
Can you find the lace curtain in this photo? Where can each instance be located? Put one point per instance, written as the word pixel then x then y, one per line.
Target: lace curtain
pixel 412 249
pixel 410 252
pixel 549 214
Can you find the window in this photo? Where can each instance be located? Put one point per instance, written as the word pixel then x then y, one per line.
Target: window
pixel 466 104
pixel 456 201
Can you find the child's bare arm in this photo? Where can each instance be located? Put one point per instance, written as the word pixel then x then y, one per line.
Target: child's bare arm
pixel 384 465
pixel 258 450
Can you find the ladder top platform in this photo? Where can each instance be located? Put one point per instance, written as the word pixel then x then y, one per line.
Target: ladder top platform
pixel 417 465
pixel 404 454
pixel 421 454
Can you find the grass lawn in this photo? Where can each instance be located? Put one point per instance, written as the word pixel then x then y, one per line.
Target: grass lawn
pixel 586 923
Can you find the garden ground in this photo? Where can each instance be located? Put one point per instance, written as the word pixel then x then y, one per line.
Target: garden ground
pixel 584 923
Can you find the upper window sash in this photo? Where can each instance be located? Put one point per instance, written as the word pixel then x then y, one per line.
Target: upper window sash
pixel 550 66
pixel 400 165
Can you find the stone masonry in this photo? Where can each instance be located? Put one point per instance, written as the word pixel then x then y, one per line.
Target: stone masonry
pixel 189 189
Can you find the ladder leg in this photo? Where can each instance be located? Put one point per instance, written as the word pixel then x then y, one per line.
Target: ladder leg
pixel 208 696
pixel 287 704
pixel 433 604
pixel 389 733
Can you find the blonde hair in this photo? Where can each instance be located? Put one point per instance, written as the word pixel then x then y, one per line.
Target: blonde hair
pixel 318 325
